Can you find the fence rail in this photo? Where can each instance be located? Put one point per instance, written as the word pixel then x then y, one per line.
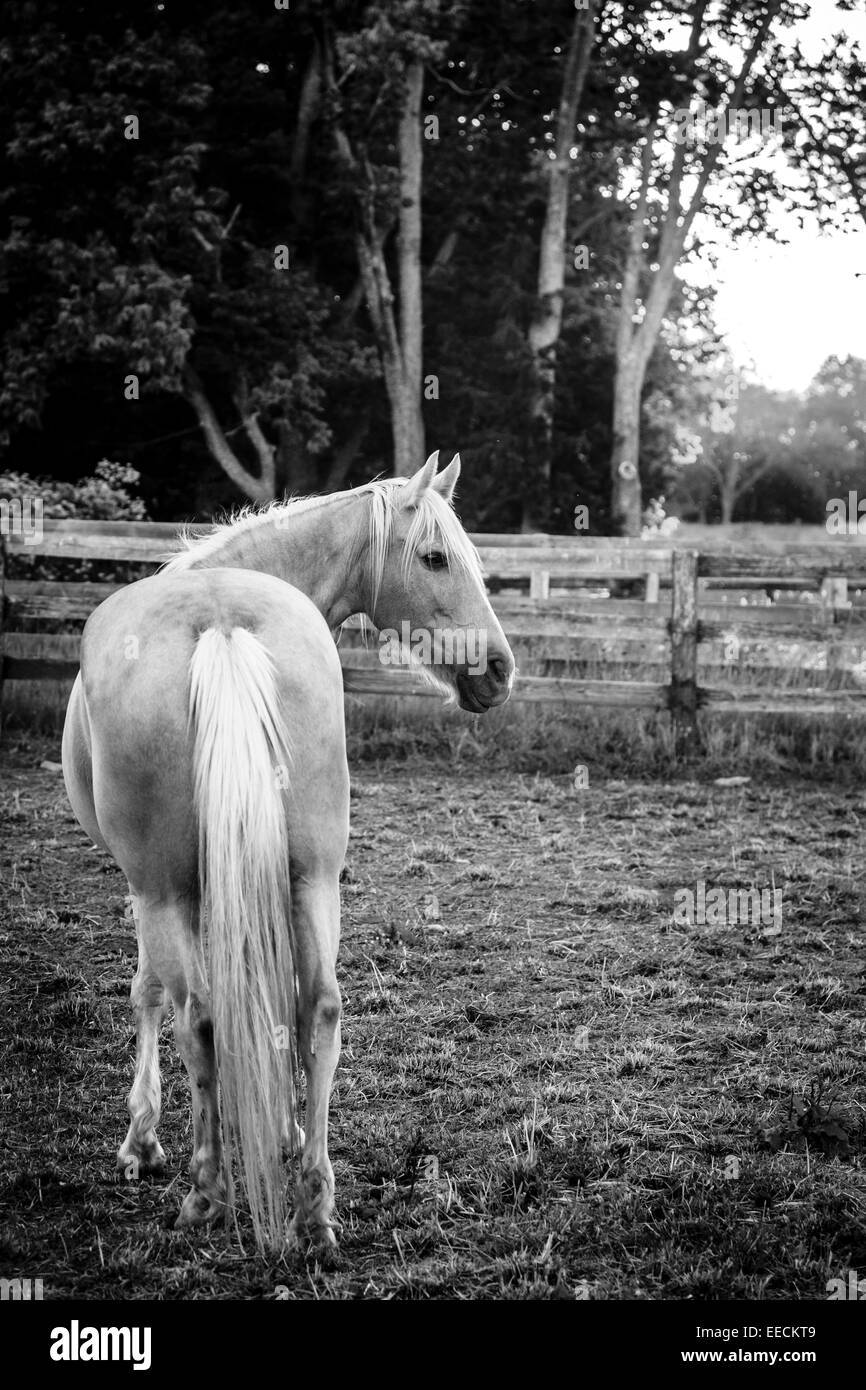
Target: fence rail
pixel 680 625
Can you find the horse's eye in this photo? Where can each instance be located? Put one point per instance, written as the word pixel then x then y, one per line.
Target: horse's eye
pixel 435 560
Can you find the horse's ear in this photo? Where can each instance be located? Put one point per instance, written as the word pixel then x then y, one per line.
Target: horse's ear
pixel 420 482
pixel 445 482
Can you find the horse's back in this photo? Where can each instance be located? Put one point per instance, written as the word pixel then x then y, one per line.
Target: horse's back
pixel 143 636
pixel 134 701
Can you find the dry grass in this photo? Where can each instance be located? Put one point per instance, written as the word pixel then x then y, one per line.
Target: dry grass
pixel 548 1089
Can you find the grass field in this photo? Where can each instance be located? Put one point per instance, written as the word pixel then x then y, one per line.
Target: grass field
pixel 550 1088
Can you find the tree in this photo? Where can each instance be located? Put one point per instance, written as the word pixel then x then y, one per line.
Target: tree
pixel 545 325
pixel 141 262
pixel 282 280
pixel 374 79
pixel 669 191
pixel 776 455
pixel 827 140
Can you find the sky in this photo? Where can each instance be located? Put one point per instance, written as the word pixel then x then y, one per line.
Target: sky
pixel 784 309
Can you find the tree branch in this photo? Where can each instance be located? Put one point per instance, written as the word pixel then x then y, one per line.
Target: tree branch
pixel 265 451
pixel 216 440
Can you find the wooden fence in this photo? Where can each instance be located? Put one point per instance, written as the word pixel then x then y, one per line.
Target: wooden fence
pixel 555 597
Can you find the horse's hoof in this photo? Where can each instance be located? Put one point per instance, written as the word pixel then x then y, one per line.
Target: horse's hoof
pixel 198 1209
pixel 318 1235
pixel 148 1161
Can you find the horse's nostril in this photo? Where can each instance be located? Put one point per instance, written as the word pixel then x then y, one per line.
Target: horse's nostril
pixel 498 669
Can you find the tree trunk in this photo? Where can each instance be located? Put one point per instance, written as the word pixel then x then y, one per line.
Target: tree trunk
pixel 546 324
pixel 407 432
pixel 308 109
pixel 296 471
pixel 347 453
pixel 400 348
pixel 407 419
pixel 626 500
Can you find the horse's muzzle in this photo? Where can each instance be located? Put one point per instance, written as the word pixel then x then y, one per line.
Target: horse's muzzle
pixel 479 693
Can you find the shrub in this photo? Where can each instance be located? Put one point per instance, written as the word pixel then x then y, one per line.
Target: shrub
pixel 105 496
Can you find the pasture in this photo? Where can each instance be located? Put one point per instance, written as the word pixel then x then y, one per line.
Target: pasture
pixel 549 1088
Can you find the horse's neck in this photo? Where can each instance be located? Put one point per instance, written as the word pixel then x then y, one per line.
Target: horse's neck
pixel 315 549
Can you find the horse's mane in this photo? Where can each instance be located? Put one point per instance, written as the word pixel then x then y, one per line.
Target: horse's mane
pixel 434 524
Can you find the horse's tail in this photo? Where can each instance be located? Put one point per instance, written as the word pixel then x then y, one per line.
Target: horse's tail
pixel 241 761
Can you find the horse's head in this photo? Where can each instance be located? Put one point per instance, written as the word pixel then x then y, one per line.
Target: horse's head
pixel 427 591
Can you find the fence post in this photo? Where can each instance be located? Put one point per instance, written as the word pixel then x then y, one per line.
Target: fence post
pixel 684 652
pixel 834 595
pixel 539 584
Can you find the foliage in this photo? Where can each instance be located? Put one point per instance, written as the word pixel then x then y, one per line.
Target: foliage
pixel 108 495
pixel 155 257
pixel 790 454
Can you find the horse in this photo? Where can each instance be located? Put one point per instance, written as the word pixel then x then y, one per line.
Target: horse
pixel 204 749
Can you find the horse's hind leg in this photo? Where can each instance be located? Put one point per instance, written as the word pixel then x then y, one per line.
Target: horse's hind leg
pixel 316 930
pixel 171 931
pixel 141 1152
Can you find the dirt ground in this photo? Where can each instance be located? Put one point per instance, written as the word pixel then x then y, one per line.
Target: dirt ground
pixel 551 1087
